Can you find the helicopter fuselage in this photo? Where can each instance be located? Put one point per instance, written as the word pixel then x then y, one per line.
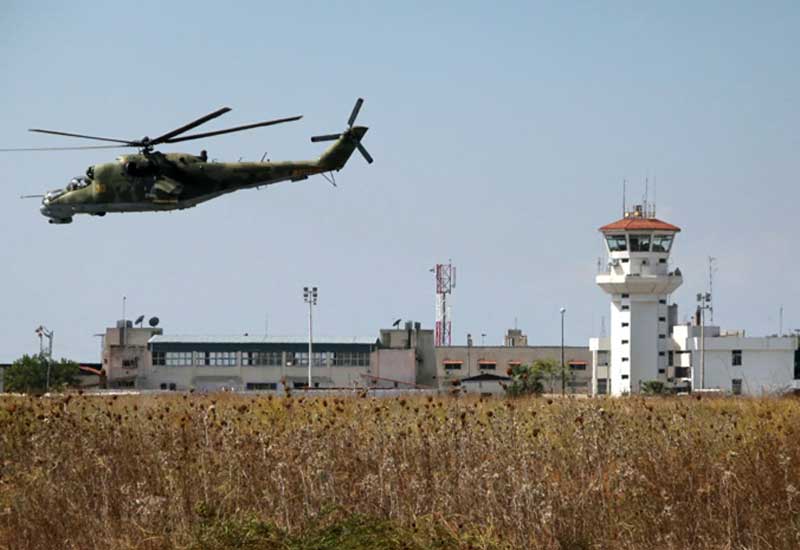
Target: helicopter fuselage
pixel 154 181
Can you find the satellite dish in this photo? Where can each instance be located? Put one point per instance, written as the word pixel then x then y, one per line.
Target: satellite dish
pixel 139 320
pixel 153 322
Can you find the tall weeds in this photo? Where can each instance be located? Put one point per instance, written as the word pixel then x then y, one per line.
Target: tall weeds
pixel 151 472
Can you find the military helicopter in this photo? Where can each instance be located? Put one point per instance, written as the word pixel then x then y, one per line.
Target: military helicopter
pixel 154 181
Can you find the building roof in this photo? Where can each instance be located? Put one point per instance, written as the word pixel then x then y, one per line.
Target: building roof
pixel 217 339
pixel 634 223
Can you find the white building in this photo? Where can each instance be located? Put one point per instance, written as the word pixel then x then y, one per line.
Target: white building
pixel 646 343
pixel 733 363
pixel 639 283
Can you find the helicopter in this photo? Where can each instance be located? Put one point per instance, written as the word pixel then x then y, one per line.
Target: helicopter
pixel 154 181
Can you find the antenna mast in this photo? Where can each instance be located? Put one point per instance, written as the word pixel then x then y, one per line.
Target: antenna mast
pixel 445 283
pixel 711 270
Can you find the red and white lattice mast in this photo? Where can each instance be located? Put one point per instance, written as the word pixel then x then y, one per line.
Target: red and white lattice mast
pixel 445 283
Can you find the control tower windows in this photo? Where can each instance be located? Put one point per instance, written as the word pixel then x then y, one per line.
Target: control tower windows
pixel 616 243
pixel 640 243
pixel 662 243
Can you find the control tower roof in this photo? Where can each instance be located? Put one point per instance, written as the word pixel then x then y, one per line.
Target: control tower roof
pixel 636 223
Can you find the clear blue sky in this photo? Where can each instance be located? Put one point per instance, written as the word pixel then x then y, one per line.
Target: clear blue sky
pixel 501 133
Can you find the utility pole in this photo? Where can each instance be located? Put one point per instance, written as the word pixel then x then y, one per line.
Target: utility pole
pixel 310 297
pixel 703 303
pixel 563 310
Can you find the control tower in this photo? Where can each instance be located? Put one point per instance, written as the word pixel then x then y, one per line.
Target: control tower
pixel 639 282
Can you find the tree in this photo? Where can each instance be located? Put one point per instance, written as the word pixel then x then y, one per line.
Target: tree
pixel 28 374
pixel 530 379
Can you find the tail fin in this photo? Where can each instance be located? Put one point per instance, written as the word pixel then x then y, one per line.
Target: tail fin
pixel 339 153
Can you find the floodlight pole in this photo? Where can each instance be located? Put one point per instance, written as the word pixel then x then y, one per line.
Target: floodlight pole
pixel 310 297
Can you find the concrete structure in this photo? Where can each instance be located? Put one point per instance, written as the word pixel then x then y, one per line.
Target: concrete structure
pixel 465 363
pixel 125 353
pixel 402 358
pixel 639 282
pixel 147 359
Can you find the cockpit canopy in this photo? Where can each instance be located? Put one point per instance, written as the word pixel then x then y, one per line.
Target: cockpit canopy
pixel 78 182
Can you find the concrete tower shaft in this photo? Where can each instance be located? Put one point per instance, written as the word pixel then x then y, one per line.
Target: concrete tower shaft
pixel 639 282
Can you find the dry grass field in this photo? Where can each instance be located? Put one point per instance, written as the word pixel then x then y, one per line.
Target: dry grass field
pixel 234 471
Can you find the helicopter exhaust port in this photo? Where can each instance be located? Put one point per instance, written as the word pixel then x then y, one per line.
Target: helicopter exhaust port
pixel 59 221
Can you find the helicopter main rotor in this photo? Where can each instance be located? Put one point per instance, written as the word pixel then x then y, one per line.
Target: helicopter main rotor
pixel 146 144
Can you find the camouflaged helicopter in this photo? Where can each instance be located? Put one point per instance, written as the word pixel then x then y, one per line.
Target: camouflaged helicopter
pixel 154 181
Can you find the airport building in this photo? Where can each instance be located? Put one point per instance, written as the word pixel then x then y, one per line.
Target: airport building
pixel 399 358
pixel 647 345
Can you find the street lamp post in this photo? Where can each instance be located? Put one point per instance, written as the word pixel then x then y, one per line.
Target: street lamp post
pixel 310 297
pixel 563 310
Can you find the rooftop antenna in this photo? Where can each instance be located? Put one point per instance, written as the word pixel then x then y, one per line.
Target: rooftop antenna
pixel 515 323
pixel 780 321
pixel 655 195
pixel 624 207
pixel 603 326
pixel 712 268
pixel 646 185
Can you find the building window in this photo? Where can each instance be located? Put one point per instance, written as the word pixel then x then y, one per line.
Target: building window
pixel 797 364
pixel 626 324
pixel 736 358
pixel 662 319
pixel 671 358
pixel 625 308
pixel 254 386
pixel 662 301
pixel 624 260
pixel 202 358
pixel 602 386
pixel 662 336
pixel 178 358
pixel 624 376
pixel 682 372
pixel 163 386
pixel 625 342
pixel 662 243
pixel 257 358
pixel 624 359
pixel 639 243
pixel 661 354
pixel 159 359
pixel 577 365
pixel 221 358
pixel 487 365
pixel 626 295
pixel 616 243
pixel 736 386
pixel 661 371
pixel 662 260
pixel 172 386
pixel 350 359
pixel 452 365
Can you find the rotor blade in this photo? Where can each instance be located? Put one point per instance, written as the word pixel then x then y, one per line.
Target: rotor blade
pixel 186 127
pixel 38 130
pixel 354 114
pixel 31 196
pixel 329 137
pixel 363 151
pixel 65 148
pixel 229 130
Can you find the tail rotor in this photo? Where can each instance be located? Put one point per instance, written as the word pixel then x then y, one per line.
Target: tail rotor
pixel 353 134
